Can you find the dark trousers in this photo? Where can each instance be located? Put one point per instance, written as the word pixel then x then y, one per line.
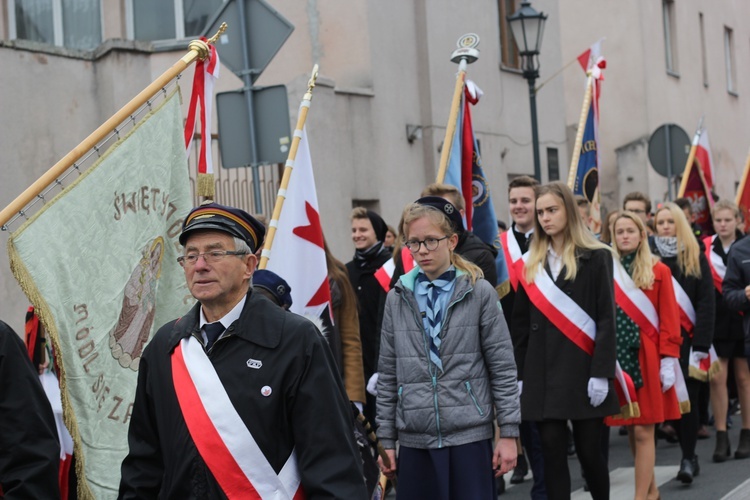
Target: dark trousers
pixel 687 426
pixel 587 435
pixel 450 473
pixel 532 444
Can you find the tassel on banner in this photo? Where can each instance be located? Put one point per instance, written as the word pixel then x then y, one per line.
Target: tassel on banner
pixel 205 186
pixel 206 74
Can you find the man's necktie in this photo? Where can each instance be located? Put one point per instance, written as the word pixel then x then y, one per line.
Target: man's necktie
pixel 212 330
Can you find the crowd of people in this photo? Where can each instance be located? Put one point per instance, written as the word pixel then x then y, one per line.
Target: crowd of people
pixel 465 379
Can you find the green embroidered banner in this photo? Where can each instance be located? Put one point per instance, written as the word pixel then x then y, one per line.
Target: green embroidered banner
pixel 99 264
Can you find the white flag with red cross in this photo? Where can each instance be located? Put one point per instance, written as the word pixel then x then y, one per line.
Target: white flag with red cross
pixel 298 255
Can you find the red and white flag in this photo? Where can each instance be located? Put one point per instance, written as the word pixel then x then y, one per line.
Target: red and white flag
pixel 384 275
pixel 703 159
pixel 297 254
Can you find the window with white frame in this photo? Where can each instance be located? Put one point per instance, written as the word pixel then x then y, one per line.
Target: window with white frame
pixel 670 36
pixel 729 60
pixel 169 19
pixel 75 24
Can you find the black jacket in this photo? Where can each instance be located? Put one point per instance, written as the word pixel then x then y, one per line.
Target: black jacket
pixel 555 371
pixel 473 249
pixel 370 305
pixel 701 294
pixel 728 324
pixel 509 298
pixel 306 410
pixel 29 446
pixel 735 281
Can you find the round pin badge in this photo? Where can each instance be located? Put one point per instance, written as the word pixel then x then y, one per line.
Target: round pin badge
pixel 266 391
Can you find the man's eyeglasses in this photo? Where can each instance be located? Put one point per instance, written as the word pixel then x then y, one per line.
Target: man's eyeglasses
pixel 211 257
pixel 637 211
pixel 429 243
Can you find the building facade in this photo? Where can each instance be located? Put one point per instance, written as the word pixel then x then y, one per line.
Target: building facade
pixel 384 65
pixel 667 62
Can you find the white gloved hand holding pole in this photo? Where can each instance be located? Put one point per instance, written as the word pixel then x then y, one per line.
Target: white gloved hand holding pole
pixel 667 374
pixel 372 384
pixel 598 390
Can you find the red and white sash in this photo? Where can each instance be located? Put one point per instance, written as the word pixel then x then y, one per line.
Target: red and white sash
pixel 384 274
pixel 705 368
pixel 715 262
pixel 222 439
pixel 687 311
pixel 559 308
pixel 513 255
pixel 635 303
pixel 626 395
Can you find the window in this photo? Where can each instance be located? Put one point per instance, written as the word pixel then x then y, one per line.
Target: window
pixel 70 23
pixel 553 165
pixel 146 18
pixel 729 60
pixel 670 37
pixel 704 62
pixel 508 51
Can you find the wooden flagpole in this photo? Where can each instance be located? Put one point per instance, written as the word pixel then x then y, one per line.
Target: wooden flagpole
pixel 466 53
pixel 450 130
pixel 743 180
pixel 688 166
pixel 281 196
pixel 573 171
pixel 198 49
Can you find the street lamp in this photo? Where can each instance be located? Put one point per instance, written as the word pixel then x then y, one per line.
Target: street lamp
pixel 527 26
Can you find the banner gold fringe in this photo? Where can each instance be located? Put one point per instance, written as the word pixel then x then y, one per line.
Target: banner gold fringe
pixel 684 407
pixel 206 186
pixel 503 289
pixel 22 275
pixel 628 411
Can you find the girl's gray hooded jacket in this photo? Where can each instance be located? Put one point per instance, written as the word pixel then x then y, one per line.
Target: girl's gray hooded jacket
pixel 423 408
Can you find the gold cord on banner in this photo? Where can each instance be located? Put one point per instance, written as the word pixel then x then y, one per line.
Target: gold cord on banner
pixel 573 171
pixel 281 196
pixel 198 49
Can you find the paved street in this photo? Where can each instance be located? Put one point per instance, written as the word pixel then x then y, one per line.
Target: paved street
pixel 726 481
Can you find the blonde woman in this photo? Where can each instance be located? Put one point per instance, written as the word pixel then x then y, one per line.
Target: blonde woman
pixel 677 247
pixel 645 348
pixel 728 335
pixel 564 331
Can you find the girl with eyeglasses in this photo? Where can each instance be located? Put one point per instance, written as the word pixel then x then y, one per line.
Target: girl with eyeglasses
pixel 446 368
pixel 564 331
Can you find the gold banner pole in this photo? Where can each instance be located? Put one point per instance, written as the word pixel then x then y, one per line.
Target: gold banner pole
pixel 198 49
pixel 573 171
pixel 466 53
pixel 688 166
pixel 281 196
pixel 743 181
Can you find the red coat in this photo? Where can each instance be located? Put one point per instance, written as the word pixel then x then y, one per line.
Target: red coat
pixel 657 406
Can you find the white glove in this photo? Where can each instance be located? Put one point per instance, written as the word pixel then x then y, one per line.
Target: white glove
pixel 698 355
pixel 598 389
pixel 667 374
pixel 372 384
pixel 359 406
pixel 520 388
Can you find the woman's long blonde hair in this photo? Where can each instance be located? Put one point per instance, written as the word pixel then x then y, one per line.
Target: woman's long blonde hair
pixel 688 252
pixel 414 211
pixel 643 265
pixel 577 236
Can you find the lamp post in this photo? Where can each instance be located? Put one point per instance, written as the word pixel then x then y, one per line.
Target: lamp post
pixel 527 26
